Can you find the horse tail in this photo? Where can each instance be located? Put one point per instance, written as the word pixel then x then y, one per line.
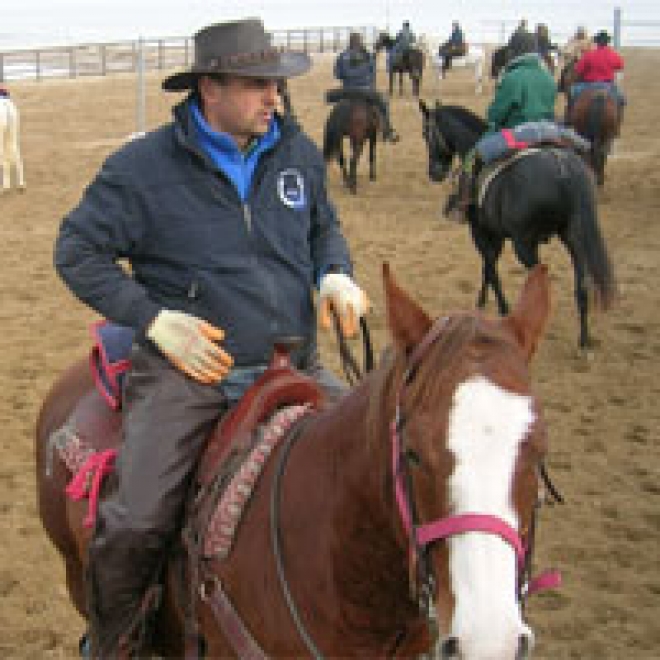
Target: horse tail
pixel 595 117
pixel 588 238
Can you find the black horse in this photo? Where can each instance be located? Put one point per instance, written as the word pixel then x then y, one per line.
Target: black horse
pixel 410 61
pixel 547 193
pixel 356 118
pixel 498 61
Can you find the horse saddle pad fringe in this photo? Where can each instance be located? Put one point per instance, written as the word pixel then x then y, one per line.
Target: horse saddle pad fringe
pixel 231 499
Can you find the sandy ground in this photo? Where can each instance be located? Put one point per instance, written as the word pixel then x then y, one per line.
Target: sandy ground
pixel 602 407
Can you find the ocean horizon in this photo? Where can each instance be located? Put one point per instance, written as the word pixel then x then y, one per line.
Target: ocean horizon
pixel 30 24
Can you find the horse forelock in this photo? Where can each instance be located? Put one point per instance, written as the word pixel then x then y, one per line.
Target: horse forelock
pixel 468 344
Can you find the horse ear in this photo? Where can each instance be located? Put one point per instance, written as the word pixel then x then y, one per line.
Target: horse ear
pixel 528 319
pixel 407 321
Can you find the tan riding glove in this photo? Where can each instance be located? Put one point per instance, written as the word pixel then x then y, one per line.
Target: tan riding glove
pixel 190 344
pixel 348 299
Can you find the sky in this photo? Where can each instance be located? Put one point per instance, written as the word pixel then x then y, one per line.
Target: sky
pixel 31 23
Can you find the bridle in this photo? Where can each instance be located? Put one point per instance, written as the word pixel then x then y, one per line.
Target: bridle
pixel 421 536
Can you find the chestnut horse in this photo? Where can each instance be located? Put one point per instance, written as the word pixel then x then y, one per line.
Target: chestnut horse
pixel 360 121
pixel 417 490
pixel 596 116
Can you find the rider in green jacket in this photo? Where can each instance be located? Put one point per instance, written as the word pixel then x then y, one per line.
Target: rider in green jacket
pixel 526 92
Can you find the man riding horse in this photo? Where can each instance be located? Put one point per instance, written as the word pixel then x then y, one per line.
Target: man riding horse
pixel 455 46
pixel 356 68
pixel 598 68
pixel 526 93
pixel 224 218
pixel 403 42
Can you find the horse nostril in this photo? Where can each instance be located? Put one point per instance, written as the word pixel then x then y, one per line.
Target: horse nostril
pixel 449 648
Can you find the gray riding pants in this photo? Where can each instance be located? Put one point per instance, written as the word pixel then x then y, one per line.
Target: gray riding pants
pixel 167 418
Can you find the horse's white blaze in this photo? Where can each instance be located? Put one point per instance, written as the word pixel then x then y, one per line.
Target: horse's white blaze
pixel 487 425
pixel 10 155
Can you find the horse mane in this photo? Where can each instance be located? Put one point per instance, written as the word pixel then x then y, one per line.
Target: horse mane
pixel 433 374
pixel 462 127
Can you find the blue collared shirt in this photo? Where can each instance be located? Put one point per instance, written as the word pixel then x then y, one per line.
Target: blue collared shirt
pixel 222 149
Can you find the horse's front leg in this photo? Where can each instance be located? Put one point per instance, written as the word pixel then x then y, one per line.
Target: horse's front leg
pixel 391 83
pixel 356 152
pixel 581 295
pixel 400 83
pixel 372 155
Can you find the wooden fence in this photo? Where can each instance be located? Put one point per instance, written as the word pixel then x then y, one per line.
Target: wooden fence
pixel 153 54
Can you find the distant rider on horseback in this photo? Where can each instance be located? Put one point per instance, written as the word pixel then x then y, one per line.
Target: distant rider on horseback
pixel 403 42
pixel 455 46
pixel 356 68
pixel 598 68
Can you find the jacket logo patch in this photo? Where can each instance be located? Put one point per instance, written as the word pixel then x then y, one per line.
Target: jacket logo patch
pixel 291 189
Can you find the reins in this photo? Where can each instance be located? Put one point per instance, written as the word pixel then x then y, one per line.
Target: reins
pixel 349 364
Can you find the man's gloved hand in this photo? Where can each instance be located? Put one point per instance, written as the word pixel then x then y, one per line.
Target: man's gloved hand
pixel 190 344
pixel 348 299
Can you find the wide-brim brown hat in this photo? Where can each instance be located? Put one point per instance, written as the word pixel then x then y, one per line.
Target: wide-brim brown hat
pixel 241 48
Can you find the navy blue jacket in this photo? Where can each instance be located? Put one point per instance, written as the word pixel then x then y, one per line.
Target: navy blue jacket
pixel 356 69
pixel 192 245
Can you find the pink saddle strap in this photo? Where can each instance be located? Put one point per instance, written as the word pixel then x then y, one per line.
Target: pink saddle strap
pixel 88 480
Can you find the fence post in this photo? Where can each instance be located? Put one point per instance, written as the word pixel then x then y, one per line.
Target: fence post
pixel 616 32
pixel 141 101
pixel 72 62
pixel 160 53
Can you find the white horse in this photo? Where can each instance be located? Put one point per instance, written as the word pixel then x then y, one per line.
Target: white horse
pixel 474 59
pixel 10 154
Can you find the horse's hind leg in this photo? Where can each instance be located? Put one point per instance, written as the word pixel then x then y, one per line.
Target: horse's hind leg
pixel 342 165
pixel 16 157
pixel 5 164
pixel 372 156
pixel 490 247
pixel 581 295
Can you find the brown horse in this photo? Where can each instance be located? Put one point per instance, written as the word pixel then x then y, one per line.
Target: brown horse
pixel 595 114
pixel 417 490
pixel 361 122
pixel 411 61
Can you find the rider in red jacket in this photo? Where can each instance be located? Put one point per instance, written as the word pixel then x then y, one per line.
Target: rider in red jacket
pixel 599 67
pixel 601 63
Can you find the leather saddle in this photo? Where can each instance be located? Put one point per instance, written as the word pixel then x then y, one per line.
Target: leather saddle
pixel 99 427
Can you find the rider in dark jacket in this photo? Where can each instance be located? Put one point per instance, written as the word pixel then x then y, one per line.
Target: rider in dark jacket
pixel 356 68
pixel 455 46
pixel 224 219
